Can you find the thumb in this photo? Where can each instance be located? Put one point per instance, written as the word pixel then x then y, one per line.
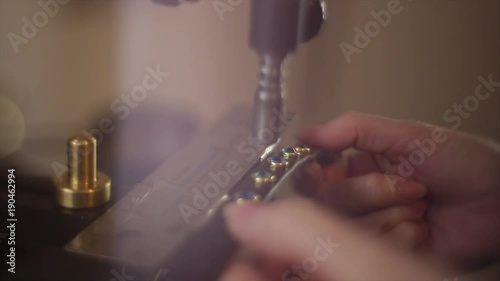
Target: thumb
pixel 317 243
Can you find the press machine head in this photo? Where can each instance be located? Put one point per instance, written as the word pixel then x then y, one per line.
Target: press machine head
pixel 277 28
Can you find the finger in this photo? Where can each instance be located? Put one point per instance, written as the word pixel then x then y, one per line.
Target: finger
pixel 312 177
pixel 360 163
pixel 368 193
pixel 416 150
pixel 368 133
pixel 307 179
pixel 383 221
pixel 408 235
pixel 316 178
pixel 272 268
pixel 241 271
pixel 353 163
pixel 301 233
pixel 350 163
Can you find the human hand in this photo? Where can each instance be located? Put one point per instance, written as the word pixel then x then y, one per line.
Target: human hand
pixel 297 239
pixel 463 202
pixel 462 174
pixel 357 188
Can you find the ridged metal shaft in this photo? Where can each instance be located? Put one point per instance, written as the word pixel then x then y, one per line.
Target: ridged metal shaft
pixel 268 103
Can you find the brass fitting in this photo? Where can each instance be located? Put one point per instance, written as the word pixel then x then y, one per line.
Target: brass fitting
pixel 82 186
pixel 290 155
pixel 247 197
pixel 302 150
pixel 263 180
pixel 277 165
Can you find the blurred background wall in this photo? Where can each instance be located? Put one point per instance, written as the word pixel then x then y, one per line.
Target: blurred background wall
pixel 92 52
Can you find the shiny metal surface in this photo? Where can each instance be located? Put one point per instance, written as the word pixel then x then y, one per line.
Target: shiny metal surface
pixel 82 186
pixel 285 186
pixel 290 155
pixel 268 101
pixel 263 179
pixel 148 224
pixel 277 165
pixel 82 164
pixel 247 196
pixel 302 150
pixel 154 222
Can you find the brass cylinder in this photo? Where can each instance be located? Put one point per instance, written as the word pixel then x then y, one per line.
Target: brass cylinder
pixel 82 163
pixel 82 186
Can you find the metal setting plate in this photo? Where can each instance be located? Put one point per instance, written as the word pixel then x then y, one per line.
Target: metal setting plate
pixel 146 225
